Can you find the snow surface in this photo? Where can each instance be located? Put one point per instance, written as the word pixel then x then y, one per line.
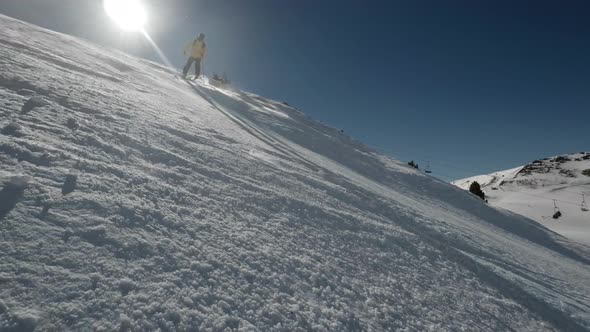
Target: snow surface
pixel 200 209
pixel 530 190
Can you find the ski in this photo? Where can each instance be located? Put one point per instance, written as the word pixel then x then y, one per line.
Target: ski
pixel 191 78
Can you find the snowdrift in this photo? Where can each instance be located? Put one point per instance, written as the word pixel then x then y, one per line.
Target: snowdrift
pixel 192 208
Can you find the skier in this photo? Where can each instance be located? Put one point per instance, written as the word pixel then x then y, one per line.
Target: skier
pixel 196 51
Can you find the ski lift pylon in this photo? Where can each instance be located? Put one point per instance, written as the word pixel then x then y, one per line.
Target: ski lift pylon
pixel 556 212
pixel 428 169
pixel 584 206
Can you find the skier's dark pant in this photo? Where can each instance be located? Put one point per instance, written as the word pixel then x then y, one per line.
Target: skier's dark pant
pixel 188 65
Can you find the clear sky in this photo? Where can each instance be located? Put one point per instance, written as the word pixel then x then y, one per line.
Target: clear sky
pixel 472 86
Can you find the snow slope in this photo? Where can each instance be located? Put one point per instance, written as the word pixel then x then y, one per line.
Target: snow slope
pixel 201 209
pixel 530 190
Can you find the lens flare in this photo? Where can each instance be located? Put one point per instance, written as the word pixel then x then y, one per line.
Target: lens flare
pixel 128 14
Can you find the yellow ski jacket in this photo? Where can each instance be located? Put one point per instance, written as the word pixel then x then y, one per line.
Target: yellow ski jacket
pixel 196 49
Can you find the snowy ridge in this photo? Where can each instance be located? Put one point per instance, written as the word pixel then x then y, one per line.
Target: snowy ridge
pixel 530 190
pixel 489 180
pixel 201 209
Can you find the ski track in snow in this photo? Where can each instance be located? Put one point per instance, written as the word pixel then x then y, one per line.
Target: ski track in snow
pixel 202 209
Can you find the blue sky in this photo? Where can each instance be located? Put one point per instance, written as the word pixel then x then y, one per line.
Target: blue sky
pixel 472 86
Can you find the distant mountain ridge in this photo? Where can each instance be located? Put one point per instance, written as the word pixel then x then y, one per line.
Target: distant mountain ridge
pixel 542 187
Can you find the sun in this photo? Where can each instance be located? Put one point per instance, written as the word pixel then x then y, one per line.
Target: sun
pixel 128 14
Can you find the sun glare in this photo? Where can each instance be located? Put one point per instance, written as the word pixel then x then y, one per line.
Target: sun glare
pixel 128 14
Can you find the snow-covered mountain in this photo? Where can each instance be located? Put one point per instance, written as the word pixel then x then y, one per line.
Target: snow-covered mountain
pixel 530 190
pixel 134 201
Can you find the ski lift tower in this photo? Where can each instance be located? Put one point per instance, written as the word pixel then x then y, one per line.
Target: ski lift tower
pixel 584 206
pixel 556 211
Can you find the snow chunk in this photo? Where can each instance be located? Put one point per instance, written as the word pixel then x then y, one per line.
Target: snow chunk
pixel 21 321
pixel 34 102
pixel 126 286
pixel 13 129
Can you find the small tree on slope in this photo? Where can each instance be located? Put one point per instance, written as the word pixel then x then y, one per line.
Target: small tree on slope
pixel 475 189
